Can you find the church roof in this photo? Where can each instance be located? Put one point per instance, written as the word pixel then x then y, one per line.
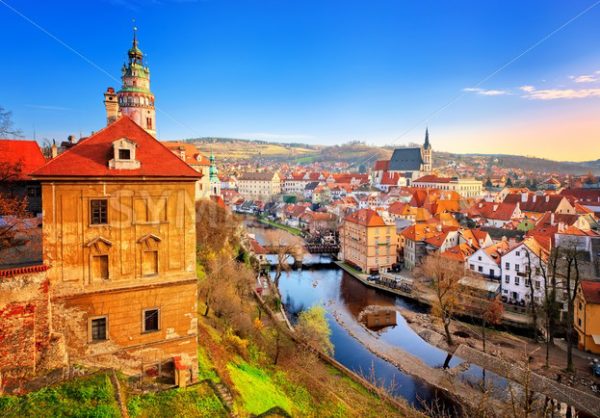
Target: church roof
pixel 406 159
pixel 90 157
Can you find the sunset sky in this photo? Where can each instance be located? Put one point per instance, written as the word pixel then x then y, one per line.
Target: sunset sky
pixel 492 76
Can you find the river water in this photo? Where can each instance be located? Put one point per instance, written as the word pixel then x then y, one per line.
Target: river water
pixel 344 298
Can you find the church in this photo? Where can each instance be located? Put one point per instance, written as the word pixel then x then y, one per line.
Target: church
pixel 409 163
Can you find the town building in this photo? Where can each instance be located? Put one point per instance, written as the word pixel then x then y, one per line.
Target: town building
pixel 367 242
pixel 410 163
pixel 587 312
pixel 259 185
pixel 135 99
pixel 467 188
pixel 18 158
pixel 190 154
pixel 119 241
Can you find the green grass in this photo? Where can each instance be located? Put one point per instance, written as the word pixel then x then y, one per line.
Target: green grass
pixel 195 401
pixel 91 397
pixel 205 366
pixel 257 390
pixel 294 231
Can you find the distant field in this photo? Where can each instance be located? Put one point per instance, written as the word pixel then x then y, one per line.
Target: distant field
pixel 248 150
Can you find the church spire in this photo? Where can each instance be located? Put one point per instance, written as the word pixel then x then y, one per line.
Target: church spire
pixel 427 145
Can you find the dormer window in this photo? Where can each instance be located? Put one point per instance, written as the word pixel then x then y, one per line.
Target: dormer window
pixel 124 153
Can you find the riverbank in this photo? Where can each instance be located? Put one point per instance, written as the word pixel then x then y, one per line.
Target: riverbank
pixel 294 231
pixel 427 297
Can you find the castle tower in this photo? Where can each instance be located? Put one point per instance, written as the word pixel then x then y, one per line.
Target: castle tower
pixel 215 183
pixel 427 153
pixel 135 98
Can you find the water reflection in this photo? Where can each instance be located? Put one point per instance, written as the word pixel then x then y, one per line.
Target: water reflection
pixel 345 297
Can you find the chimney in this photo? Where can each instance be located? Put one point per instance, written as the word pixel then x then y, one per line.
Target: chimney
pixel 111 105
pixel 547 198
pixel 439 228
pixel 504 239
pixel 495 208
pixel 54 149
pixel 524 197
pixel 470 242
pixel 71 139
pixel 552 218
pixel 534 198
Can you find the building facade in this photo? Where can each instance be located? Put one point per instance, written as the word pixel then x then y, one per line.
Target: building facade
pixel 119 238
pixel 465 187
pixel 587 316
pixel 259 185
pixel 367 242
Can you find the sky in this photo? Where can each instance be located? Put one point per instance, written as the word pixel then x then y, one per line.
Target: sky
pixel 494 76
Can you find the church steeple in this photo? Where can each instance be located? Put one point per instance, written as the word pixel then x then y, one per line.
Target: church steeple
pixel 215 183
pixel 427 153
pixel 427 145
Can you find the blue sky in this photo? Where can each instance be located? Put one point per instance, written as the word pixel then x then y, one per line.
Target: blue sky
pixel 321 72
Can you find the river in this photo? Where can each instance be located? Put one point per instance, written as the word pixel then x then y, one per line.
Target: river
pixel 344 298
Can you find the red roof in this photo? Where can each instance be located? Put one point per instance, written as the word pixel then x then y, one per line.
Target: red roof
pixel 431 178
pixel 89 158
pixel 382 165
pixel 27 154
pixel 591 291
pixel 366 217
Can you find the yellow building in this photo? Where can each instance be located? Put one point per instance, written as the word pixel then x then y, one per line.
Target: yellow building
pixel 119 238
pixel 587 316
pixel 259 185
pixel 190 154
pixel 367 242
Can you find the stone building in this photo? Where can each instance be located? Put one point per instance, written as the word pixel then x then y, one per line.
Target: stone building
pixel 135 98
pixel 259 185
pixel 119 238
pixel 195 159
pixel 410 162
pixel 367 242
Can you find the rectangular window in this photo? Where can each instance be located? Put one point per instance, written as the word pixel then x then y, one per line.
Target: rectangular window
pixel 480 269
pixel 507 266
pixel 507 279
pixel 472 266
pixel 148 123
pixel 517 280
pixel 151 320
pixel 537 284
pixel 517 267
pixel 150 263
pixel 124 154
pixel 526 282
pixel 518 253
pixel 100 267
pixel 98 211
pixel 98 328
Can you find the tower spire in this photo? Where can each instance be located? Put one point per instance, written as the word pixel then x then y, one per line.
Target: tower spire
pixel 427 145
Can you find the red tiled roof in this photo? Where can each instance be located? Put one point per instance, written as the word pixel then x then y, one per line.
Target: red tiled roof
pixel 192 155
pixel 535 203
pixel 591 291
pixel 431 178
pixel 11 272
pixel 366 217
pixel 492 210
pixel 27 154
pixel 382 165
pixel 89 158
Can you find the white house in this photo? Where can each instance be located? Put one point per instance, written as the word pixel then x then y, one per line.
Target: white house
pixel 486 261
pixel 527 257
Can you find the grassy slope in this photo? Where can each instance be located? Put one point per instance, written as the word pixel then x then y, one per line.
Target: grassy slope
pixel 86 397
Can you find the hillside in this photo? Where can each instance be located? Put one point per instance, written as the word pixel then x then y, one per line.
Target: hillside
pixel 359 153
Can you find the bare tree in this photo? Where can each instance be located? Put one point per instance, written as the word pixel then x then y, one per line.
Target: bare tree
pixel 492 315
pixel 7 126
pixel 13 208
pixel 445 277
pixel 548 271
pixel 529 283
pixel 286 247
pixel 571 258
